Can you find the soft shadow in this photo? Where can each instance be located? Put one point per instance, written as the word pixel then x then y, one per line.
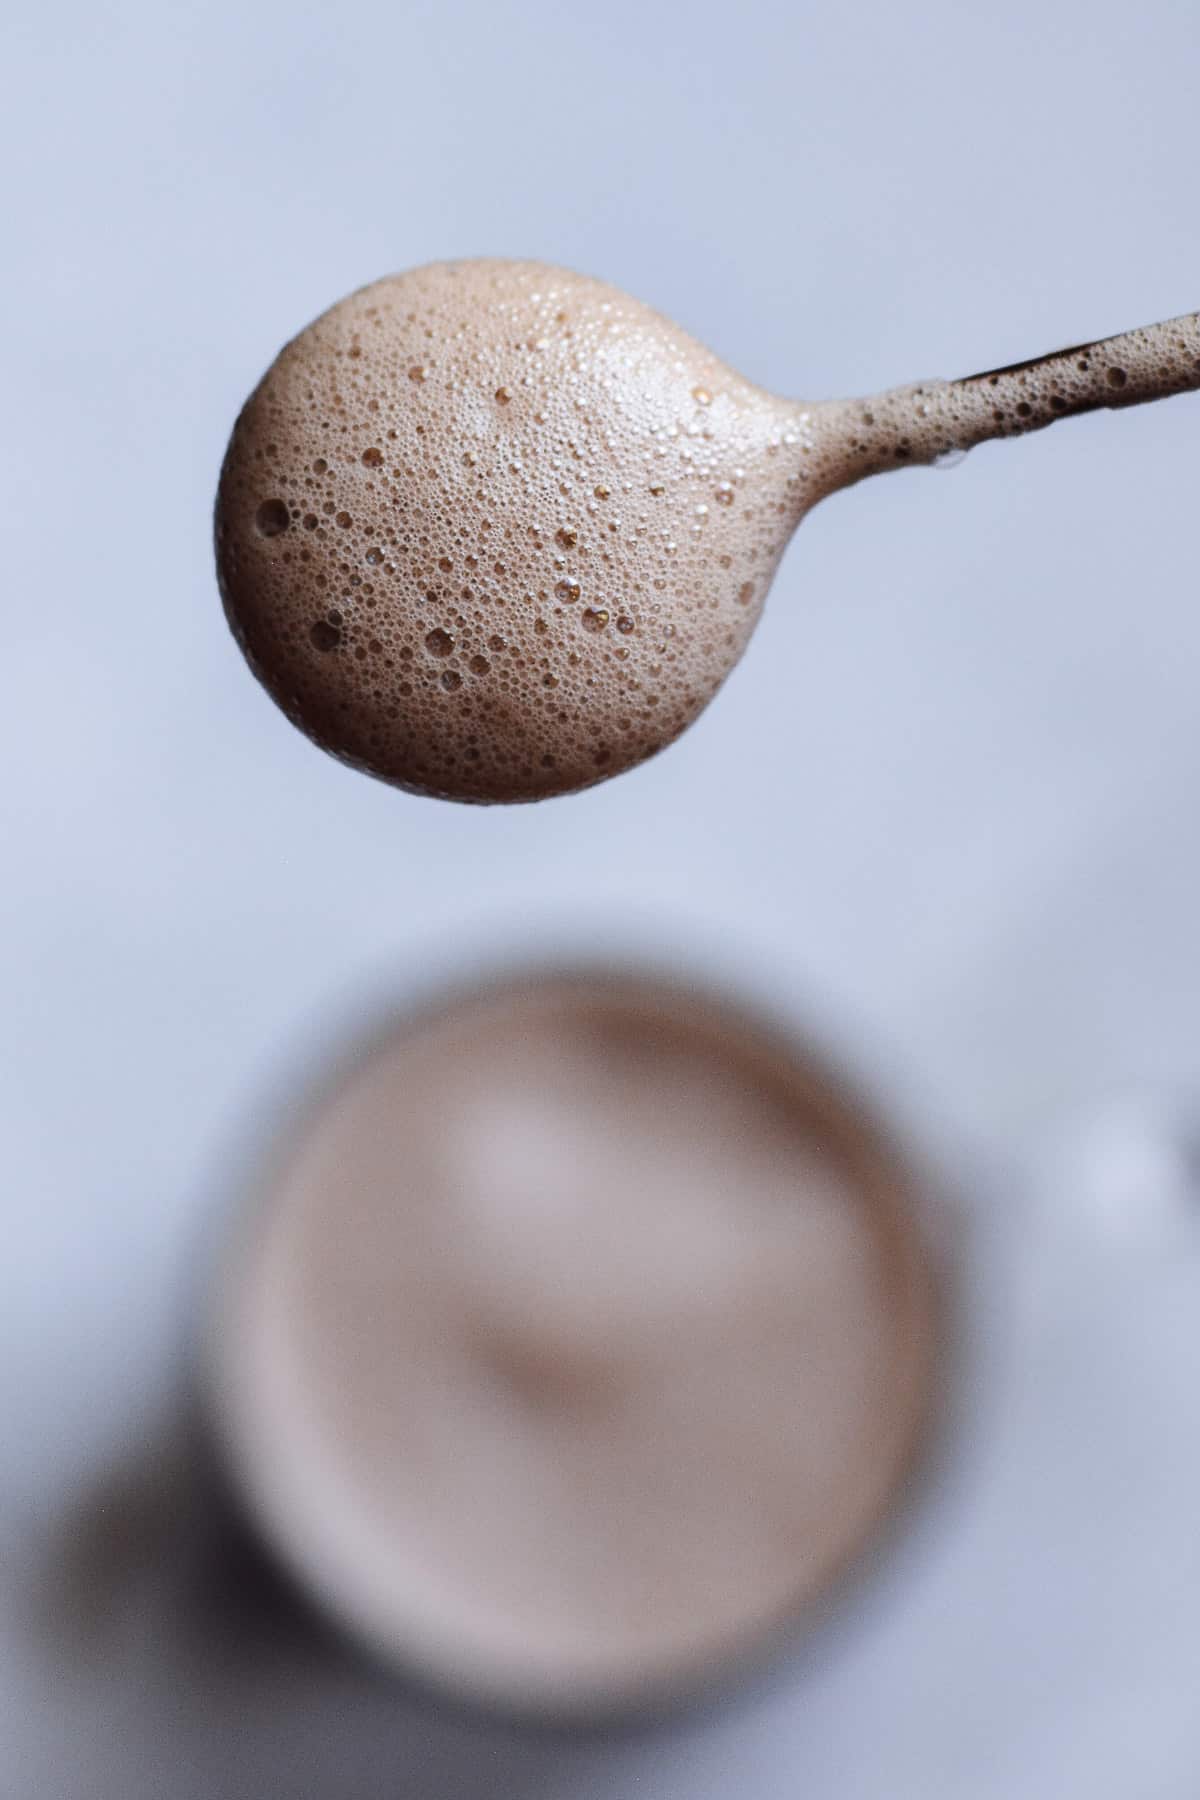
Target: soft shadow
pixel 188 1666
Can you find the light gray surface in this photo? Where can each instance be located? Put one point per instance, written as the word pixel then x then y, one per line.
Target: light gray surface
pixel 951 794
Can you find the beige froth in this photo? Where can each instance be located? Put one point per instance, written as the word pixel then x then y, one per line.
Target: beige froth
pixel 581 1340
pixel 496 531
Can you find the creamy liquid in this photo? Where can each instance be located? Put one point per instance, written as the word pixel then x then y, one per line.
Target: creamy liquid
pixel 581 1337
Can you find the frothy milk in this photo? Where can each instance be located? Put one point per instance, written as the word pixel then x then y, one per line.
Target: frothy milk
pixel 581 1337
pixel 494 530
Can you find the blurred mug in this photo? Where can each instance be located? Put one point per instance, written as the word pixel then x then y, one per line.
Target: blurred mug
pixel 582 1336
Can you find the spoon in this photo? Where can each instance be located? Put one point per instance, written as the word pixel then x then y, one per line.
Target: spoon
pixel 493 531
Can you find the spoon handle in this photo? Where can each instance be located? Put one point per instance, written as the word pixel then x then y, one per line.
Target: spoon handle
pixel 928 420
pixel 1147 364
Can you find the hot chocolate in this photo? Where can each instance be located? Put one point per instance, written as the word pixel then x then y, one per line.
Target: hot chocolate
pixel 581 1336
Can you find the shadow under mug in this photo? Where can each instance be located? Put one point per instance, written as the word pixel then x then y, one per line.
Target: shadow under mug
pixel 504 1425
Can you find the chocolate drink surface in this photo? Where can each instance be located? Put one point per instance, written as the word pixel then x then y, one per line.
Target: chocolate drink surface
pixel 579 1338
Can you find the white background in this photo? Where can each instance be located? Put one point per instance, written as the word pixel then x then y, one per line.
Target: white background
pixel 950 799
